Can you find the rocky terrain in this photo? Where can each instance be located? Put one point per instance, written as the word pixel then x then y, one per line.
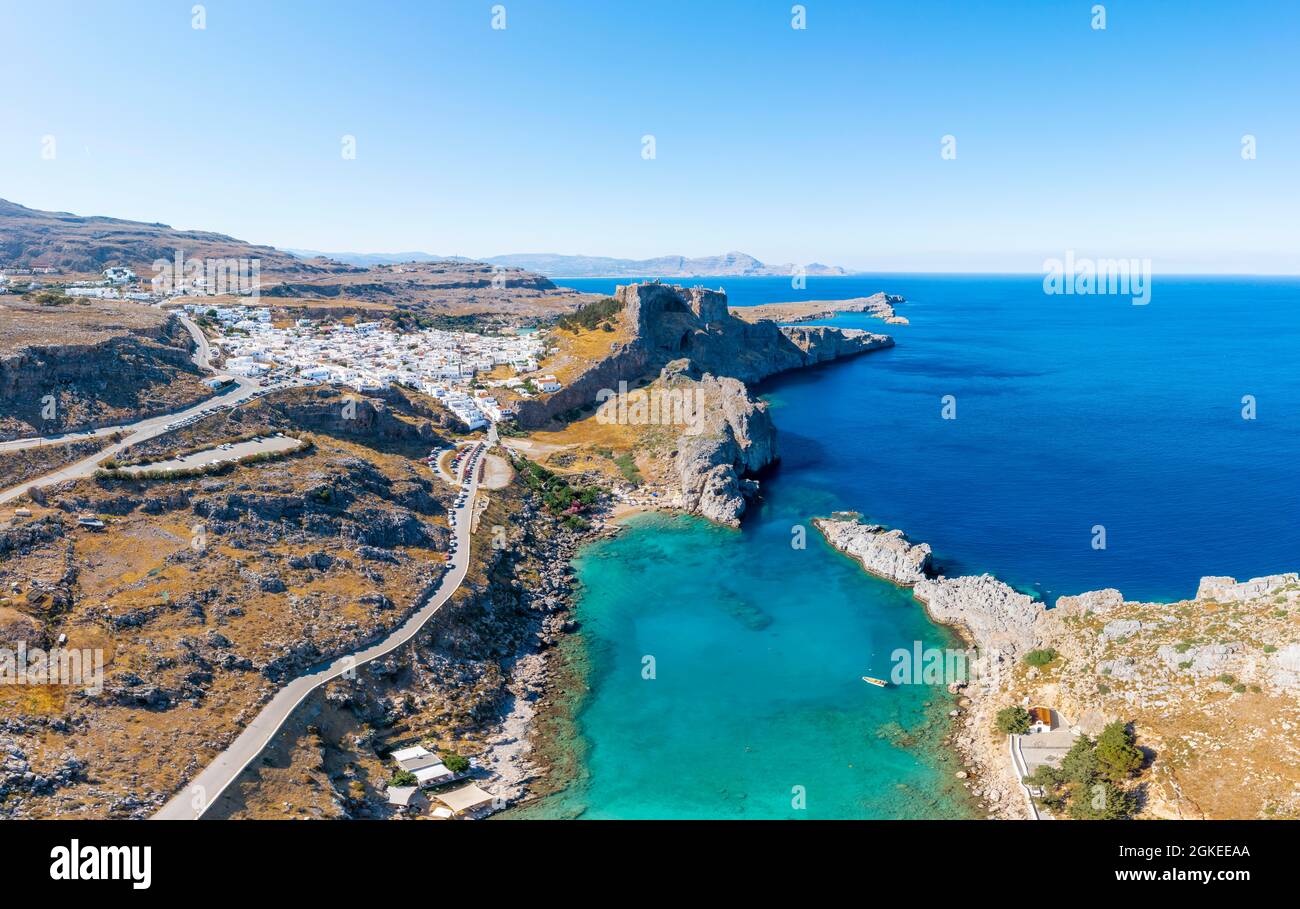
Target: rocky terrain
pixel 670 338
pixel 79 244
pixel 694 323
pixel 16 467
pixel 885 553
pixel 203 595
pixel 1210 684
pixel 474 683
pixel 449 293
pixel 459 294
pixel 732 439
pixel 78 365
pixel 880 306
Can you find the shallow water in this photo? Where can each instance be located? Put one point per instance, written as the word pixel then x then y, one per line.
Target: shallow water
pixel 1072 413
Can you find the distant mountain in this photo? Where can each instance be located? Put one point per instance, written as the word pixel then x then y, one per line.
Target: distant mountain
pixel 369 260
pixel 732 264
pixel 30 238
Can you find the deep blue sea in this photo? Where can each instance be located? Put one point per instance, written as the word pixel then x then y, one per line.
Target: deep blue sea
pixel 1072 412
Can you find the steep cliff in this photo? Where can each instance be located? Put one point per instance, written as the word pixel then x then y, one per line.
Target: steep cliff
pixel 73 366
pixel 674 322
pixel 732 439
pixel 686 341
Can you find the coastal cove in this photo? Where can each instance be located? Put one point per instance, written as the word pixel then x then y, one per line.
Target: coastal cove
pixel 758 647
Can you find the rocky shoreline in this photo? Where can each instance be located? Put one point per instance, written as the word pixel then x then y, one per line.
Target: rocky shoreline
pixel 992 618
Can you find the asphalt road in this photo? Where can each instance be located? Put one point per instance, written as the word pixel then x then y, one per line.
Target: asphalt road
pixel 133 434
pixel 200 356
pixel 194 799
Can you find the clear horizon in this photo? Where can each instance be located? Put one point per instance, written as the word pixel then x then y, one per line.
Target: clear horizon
pixel 823 144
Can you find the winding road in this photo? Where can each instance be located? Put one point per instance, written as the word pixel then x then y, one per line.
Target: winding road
pixel 133 434
pixel 193 800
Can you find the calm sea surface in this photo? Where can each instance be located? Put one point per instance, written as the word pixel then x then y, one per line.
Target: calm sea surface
pixel 1072 413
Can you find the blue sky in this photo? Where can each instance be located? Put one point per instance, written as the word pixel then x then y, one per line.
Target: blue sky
pixel 814 145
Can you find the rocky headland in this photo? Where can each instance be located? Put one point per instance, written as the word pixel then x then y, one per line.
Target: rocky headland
pixel 1205 681
pixel 688 342
pixel 885 553
pixel 879 306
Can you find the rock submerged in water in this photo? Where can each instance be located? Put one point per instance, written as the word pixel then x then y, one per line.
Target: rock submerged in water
pixel 885 553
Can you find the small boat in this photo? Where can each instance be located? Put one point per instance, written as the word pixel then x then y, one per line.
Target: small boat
pixel 879 683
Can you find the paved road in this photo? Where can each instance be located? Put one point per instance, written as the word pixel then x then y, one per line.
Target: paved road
pixel 193 800
pixel 134 434
pixel 202 352
pixel 217 454
pixel 201 356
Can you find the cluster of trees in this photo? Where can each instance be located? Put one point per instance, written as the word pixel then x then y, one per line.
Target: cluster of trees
pixel 560 497
pixel 1012 721
pixel 1088 784
pixel 589 315
pixel 55 296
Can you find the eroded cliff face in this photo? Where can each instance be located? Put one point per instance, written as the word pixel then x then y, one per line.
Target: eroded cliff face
pixel 688 340
pixel 124 375
pixel 674 322
pixel 732 439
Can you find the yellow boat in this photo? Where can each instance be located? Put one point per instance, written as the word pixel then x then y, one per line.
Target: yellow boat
pixel 879 683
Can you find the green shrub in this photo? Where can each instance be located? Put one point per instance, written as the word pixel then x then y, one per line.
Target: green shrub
pixel 589 315
pixel 456 763
pixel 403 778
pixel 1040 657
pixel 627 467
pixel 1117 756
pixel 1012 721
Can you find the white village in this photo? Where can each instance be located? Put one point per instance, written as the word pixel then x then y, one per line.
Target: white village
pixel 371 356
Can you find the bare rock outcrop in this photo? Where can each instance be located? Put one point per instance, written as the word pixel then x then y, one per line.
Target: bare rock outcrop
pixel 884 553
pixel 1090 602
pixel 673 322
pixel 995 617
pixel 1229 590
pixel 731 438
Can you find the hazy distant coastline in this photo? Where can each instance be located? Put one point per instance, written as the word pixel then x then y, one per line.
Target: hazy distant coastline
pixel 552 265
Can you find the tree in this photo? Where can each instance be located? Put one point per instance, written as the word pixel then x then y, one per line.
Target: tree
pixel 1079 766
pixel 456 763
pixel 403 778
pixel 1118 758
pixel 1048 779
pixel 1102 801
pixel 1012 720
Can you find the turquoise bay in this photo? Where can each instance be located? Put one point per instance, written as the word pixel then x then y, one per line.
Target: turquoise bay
pixel 1071 413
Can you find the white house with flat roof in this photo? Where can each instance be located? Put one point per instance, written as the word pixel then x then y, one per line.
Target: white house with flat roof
pixel 428 768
